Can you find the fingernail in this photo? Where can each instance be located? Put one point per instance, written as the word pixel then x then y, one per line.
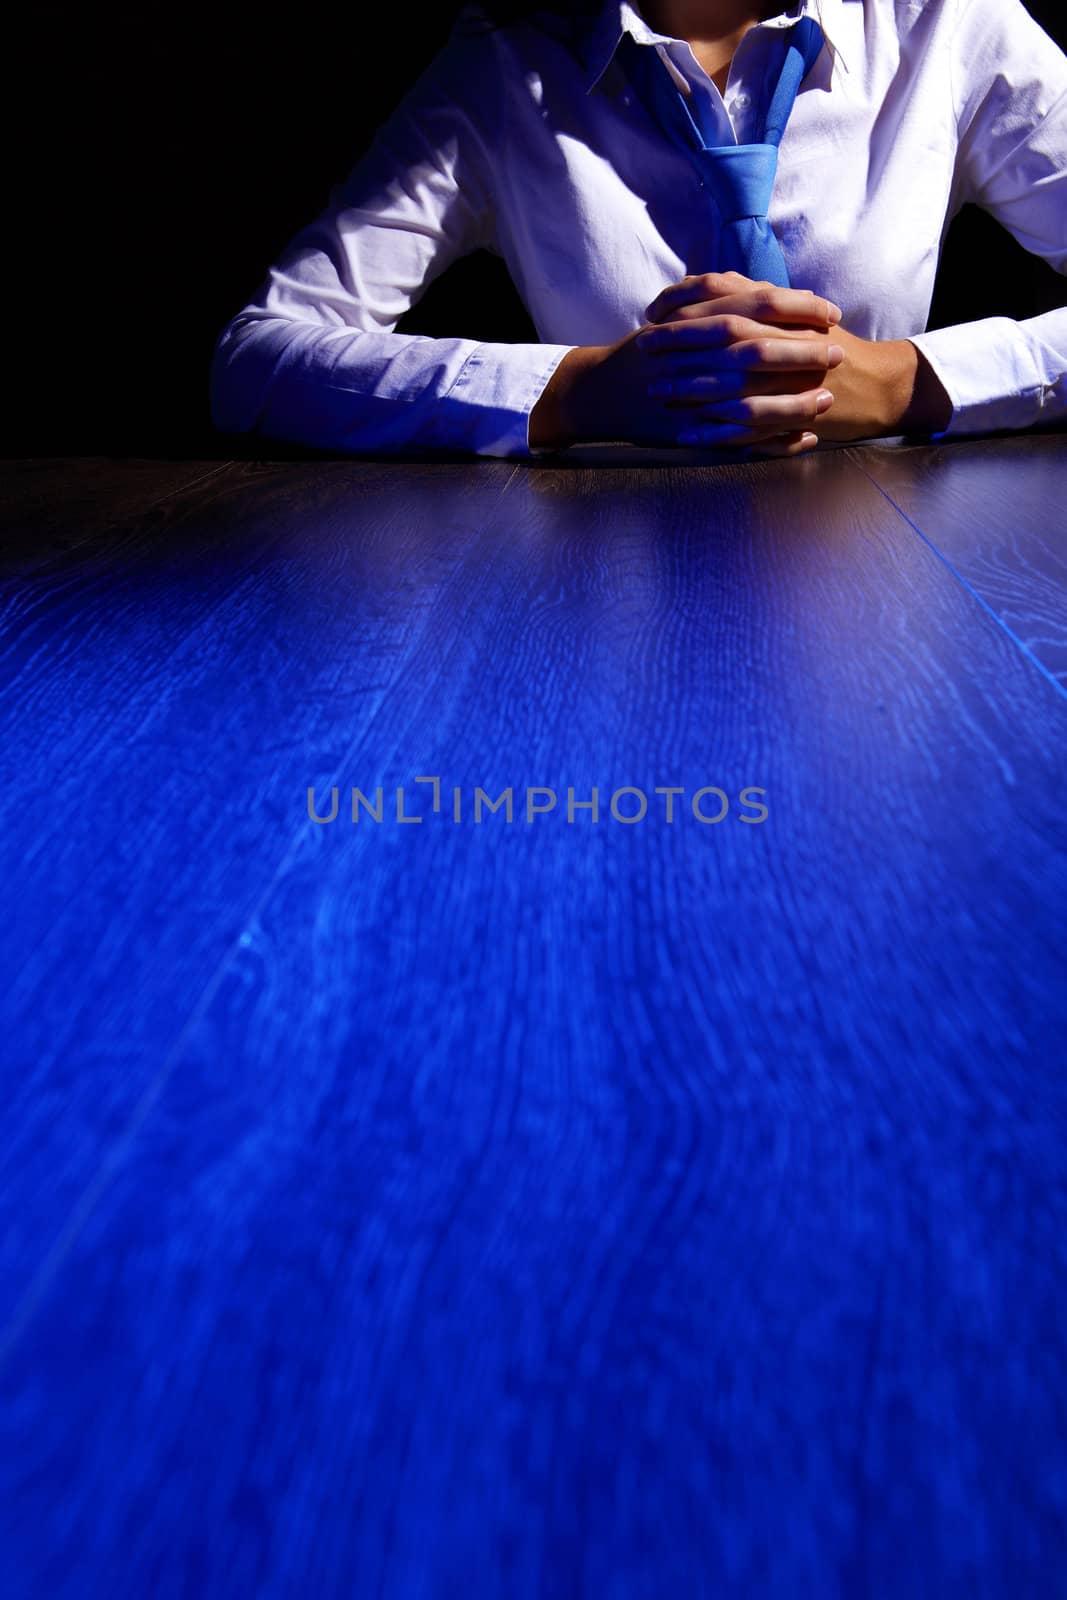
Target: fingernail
pixel 837 354
pixel 809 440
pixel 835 311
pixel 661 387
pixel 824 400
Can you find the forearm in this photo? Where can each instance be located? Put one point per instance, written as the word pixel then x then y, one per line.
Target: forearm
pixel 356 390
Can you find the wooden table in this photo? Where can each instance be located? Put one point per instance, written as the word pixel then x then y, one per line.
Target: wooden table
pixel 614 1207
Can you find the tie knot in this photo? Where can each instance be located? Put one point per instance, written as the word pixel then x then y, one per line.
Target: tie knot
pixel 742 179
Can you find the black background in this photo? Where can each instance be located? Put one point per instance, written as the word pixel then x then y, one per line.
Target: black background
pixel 159 159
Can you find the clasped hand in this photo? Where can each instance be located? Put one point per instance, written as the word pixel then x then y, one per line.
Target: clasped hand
pixel 727 362
pixel 741 363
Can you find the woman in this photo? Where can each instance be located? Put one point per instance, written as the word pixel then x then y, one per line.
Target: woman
pixel 583 145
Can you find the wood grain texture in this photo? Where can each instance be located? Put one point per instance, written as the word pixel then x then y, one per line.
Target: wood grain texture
pixel 532 1209
pixel 48 507
pixel 150 679
pixel 996 510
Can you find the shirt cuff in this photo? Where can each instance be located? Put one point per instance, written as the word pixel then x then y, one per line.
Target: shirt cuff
pixel 489 404
pixel 996 374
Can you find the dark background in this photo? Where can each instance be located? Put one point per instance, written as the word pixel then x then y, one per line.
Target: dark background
pixel 159 159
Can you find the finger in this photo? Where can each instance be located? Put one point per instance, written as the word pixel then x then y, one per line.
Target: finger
pixel 711 388
pixel 781 411
pixel 733 434
pixel 722 332
pixel 755 309
pixel 735 306
pixel 699 333
pixel 777 413
pixel 769 301
pixel 783 353
pixel 709 332
pixel 697 286
pixel 700 387
pixel 730 292
pixel 683 373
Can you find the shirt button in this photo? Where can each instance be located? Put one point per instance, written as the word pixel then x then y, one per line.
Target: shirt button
pixel 742 101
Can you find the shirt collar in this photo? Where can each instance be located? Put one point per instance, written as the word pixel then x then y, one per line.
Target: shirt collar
pixel 599 34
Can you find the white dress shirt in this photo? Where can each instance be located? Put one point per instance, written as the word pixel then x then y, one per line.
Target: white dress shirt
pixel 528 142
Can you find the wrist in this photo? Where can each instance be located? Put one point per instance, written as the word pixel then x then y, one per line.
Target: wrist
pixel 560 415
pixel 916 401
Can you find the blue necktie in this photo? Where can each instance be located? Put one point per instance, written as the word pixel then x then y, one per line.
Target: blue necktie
pixel 739 177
